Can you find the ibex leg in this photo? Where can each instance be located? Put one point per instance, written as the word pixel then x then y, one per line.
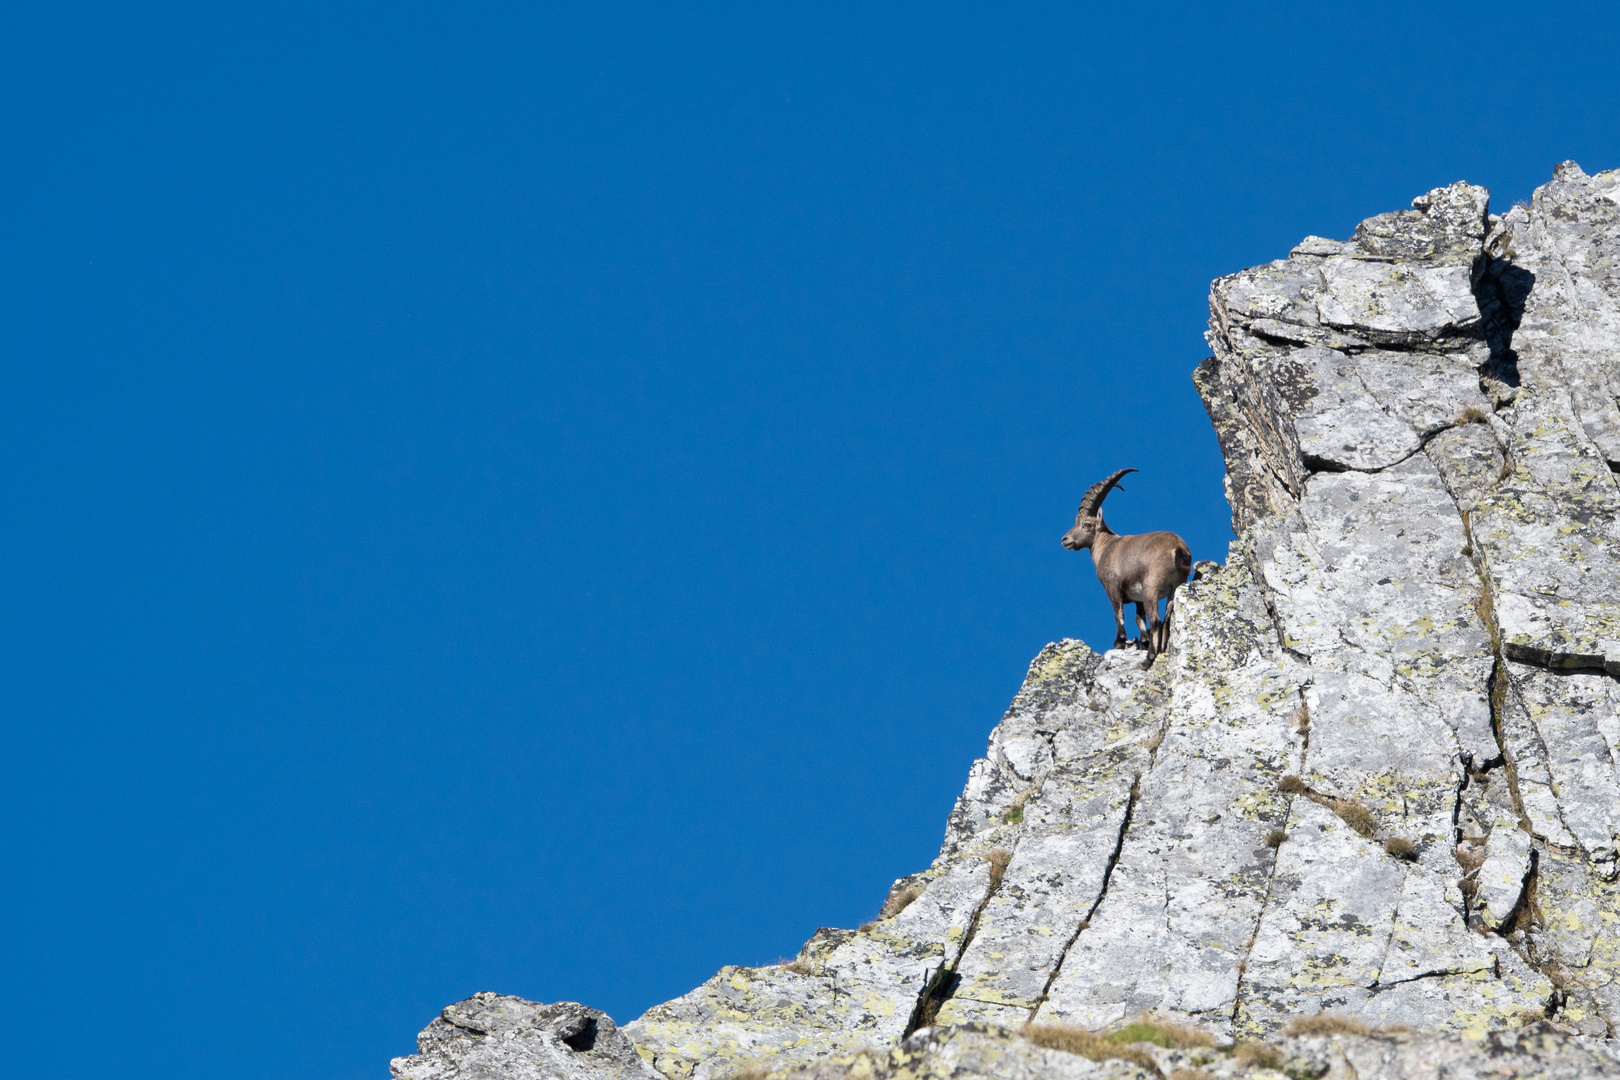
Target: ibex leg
pixel 1150 636
pixel 1164 627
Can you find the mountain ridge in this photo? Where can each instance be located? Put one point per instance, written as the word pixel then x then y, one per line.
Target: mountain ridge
pixel 1373 777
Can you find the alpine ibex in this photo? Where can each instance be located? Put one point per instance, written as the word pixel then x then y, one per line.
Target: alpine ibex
pixel 1140 570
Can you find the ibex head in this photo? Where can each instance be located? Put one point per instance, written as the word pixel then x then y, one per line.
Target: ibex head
pixel 1088 519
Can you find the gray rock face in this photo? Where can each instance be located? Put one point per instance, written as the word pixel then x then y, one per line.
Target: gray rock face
pixel 1375 773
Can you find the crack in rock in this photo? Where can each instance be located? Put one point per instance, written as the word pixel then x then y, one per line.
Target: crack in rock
pixel 1085 923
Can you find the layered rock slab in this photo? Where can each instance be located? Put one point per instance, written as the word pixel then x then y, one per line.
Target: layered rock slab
pixel 1404 579
pixel 1550 533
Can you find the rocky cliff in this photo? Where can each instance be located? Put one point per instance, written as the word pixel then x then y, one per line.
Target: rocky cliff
pixel 1375 775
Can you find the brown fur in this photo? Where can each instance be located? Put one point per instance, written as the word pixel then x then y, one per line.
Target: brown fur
pixel 1140 570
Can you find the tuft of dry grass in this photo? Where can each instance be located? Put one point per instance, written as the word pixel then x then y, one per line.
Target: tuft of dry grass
pixel 1089 1045
pixel 1301 719
pixel 1352 813
pixel 898 900
pixel 1357 816
pixel 1325 1024
pixel 998 858
pixel 751 1070
pixel 1071 1040
pixel 1165 1033
pixel 1401 848
pixel 1190 1074
pixel 1292 785
pixel 1473 414
pixel 1525 1016
pixel 1469 856
pixel 1506 470
pixel 802 967
pixel 1276 838
pixel 1257 1055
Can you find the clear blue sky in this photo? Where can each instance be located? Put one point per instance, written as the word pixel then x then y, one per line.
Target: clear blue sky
pixel 502 497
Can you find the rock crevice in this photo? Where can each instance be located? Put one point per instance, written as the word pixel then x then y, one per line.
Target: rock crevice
pixel 1108 872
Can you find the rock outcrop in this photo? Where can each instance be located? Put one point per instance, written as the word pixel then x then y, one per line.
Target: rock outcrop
pixel 498 1037
pixel 1375 774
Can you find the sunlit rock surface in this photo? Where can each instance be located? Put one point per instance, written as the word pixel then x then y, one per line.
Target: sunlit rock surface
pixel 985 1052
pixel 1375 774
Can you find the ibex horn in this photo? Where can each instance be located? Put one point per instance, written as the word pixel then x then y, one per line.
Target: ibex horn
pixel 1091 502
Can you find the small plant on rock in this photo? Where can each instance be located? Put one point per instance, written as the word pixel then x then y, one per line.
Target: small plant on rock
pixel 998 858
pixel 1257 1055
pixel 1357 816
pixel 1401 848
pixel 1292 785
pixel 899 900
pixel 1325 1024
pixel 1276 838
pixel 1088 1044
pixel 1015 813
pixel 1165 1033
